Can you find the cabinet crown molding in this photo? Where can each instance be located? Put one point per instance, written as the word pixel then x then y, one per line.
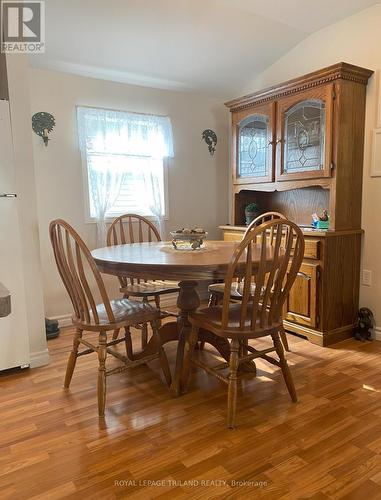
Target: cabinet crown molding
pixel 339 71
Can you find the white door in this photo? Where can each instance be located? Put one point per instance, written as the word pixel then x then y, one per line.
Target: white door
pixel 14 341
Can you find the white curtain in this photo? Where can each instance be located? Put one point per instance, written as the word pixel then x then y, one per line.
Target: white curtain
pixel 104 188
pixel 105 137
pixel 155 205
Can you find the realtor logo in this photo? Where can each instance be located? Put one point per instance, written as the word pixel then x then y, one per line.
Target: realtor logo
pixel 23 27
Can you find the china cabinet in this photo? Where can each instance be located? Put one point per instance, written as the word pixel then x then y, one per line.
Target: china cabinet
pixel 297 148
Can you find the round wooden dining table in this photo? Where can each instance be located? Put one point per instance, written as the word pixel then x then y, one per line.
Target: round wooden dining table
pixel 159 260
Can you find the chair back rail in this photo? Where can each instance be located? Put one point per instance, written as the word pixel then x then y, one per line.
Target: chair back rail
pixel 72 255
pixel 272 281
pixel 140 230
pixel 268 216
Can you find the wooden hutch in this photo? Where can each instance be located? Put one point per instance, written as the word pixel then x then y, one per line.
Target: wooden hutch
pixel 297 148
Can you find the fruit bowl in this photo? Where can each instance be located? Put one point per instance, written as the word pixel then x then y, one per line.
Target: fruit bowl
pixel 188 239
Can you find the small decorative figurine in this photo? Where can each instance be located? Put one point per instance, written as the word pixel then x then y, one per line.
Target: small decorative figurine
pixel 320 221
pixel 324 215
pixel 210 138
pixel 365 323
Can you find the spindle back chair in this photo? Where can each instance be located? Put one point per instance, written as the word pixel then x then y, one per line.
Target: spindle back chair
pixel 80 276
pixel 271 286
pixel 217 290
pixel 72 255
pixel 133 228
pixel 259 313
pixel 266 217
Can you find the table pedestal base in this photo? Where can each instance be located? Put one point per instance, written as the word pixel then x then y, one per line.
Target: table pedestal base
pixel 187 302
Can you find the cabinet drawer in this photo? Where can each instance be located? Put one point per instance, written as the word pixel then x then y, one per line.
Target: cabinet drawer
pixel 312 248
pixel 233 235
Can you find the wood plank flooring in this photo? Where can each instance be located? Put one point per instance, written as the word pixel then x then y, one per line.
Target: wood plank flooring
pixel 327 446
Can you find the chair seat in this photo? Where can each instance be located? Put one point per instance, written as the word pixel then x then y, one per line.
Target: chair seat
pixel 209 318
pixel 146 288
pixel 236 289
pixel 126 312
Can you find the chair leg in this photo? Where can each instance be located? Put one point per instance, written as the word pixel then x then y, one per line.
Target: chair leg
pixel 72 358
pixel 144 329
pixel 243 351
pixel 232 390
pixel 128 343
pixel 284 366
pixel 188 353
pixel 144 335
pixel 284 339
pixel 162 356
pixel 157 301
pixel 157 304
pixel 115 335
pixel 212 300
pixel 102 354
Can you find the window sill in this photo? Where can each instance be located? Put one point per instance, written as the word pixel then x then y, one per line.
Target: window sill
pixel 109 220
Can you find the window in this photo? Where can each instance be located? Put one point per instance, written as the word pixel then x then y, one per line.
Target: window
pixel 124 157
pixel 131 190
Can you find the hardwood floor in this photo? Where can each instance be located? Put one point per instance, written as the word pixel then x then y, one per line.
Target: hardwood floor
pixel 328 445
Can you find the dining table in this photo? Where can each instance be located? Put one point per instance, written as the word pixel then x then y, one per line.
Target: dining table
pixel 159 260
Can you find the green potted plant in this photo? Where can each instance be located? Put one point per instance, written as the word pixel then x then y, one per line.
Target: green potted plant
pixel 251 212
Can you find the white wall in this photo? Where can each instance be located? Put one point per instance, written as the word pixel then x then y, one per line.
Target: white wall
pixel 198 182
pixel 355 40
pixel 17 69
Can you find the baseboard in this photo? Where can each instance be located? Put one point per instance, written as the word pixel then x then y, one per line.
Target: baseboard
pixel 40 358
pixel 63 320
pixel 377 333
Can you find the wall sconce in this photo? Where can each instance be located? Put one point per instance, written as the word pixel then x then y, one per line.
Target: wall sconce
pixel 210 138
pixel 42 124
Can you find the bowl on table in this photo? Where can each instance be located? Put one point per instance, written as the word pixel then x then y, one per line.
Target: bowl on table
pixel 188 239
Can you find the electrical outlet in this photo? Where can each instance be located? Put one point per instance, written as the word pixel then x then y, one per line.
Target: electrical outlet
pixel 366 277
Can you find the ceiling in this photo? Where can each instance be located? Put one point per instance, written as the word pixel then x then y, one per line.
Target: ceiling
pixel 215 46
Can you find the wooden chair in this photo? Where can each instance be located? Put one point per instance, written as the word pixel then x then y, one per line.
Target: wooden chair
pixel 140 229
pixel 76 265
pixel 258 314
pixel 217 290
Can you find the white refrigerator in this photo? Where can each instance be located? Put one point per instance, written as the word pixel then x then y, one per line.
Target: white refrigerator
pixel 14 341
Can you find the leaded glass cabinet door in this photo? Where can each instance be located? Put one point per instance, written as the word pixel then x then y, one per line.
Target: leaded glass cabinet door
pixel 304 135
pixel 254 154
